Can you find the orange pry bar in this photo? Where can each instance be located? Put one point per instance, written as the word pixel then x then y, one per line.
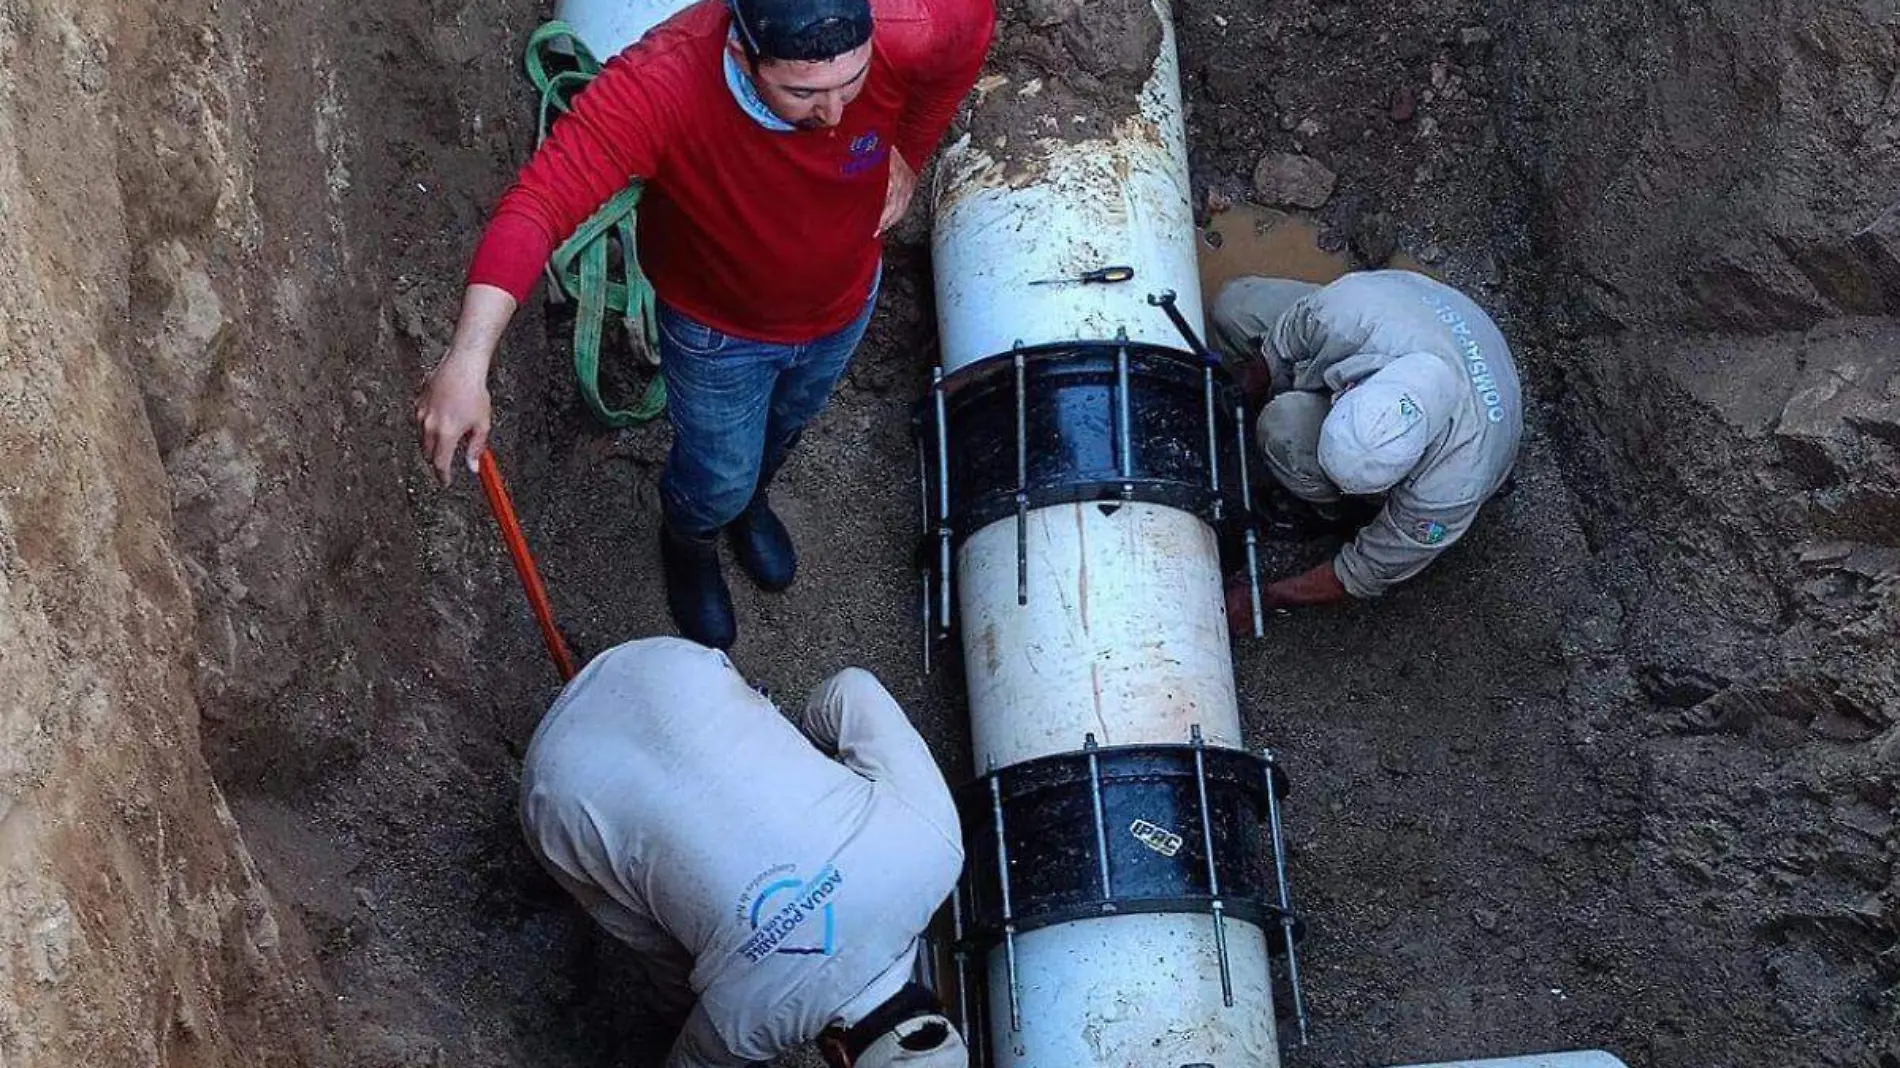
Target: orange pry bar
pixel 504 510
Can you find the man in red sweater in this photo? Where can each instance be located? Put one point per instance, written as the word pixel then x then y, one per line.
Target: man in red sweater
pixel 778 140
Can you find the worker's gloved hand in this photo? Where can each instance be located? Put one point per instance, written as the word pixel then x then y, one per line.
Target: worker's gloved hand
pixel 1317 586
pixel 1240 607
pixel 1320 585
pixel 1255 380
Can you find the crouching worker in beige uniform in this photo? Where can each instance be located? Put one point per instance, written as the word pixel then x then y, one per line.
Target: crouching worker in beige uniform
pixel 1385 384
pixel 775 894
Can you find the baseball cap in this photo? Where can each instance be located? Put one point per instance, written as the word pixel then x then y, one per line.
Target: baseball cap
pixel 1379 430
pixel 801 29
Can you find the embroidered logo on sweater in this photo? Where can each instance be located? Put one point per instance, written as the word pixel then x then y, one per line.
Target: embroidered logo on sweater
pixel 867 150
pixel 791 915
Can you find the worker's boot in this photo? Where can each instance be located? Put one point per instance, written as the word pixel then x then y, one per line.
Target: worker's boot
pixel 759 539
pixel 696 591
pixel 763 545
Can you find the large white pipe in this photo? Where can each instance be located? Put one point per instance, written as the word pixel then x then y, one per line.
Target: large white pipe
pixel 1124 636
pixel 1123 633
pixel 607 26
pixel 1137 991
pixel 1010 215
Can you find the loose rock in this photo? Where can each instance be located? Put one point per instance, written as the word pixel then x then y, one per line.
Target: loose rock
pixel 1491 270
pixel 1404 104
pixel 1375 237
pixel 1285 180
pixel 1673 686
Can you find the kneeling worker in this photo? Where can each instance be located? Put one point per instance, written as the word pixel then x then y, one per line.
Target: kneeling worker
pixel 774 895
pixel 1384 384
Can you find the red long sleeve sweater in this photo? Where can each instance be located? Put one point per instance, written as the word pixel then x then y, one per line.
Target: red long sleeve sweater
pixel 758 233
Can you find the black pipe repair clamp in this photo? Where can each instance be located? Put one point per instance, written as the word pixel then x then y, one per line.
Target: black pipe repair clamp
pixel 1108 830
pixel 1105 422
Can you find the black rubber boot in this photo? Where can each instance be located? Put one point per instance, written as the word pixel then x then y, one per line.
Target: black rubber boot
pixel 759 539
pixel 696 591
pixel 763 545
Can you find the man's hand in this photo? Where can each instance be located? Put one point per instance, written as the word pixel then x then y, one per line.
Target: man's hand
pixel 1318 586
pixel 897 194
pixel 454 406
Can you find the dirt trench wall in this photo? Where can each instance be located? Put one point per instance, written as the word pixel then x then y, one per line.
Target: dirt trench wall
pixel 135 926
pixel 1712 168
pixel 1719 218
pixel 235 236
pixel 1716 196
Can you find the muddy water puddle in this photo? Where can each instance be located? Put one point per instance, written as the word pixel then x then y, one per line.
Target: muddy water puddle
pixel 1248 239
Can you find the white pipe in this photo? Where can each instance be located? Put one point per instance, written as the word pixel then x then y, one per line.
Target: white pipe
pixel 1124 635
pixel 608 26
pixel 1137 991
pixel 1010 215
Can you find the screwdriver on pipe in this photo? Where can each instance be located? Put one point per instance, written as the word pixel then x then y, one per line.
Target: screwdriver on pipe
pixel 1099 276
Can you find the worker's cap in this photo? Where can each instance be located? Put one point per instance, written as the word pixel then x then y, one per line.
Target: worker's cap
pixel 1379 429
pixel 801 29
pixel 1288 432
pixel 927 1041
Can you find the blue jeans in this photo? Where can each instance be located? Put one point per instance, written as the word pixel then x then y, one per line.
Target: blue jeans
pixel 736 407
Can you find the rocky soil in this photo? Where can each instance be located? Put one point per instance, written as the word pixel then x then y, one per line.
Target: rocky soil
pixel 1623 772
pixel 136 928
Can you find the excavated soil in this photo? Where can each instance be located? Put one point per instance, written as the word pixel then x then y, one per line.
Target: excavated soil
pixel 1622 772
pixel 1061 70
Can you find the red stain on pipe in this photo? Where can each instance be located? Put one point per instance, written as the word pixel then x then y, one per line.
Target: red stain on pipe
pixel 504 510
